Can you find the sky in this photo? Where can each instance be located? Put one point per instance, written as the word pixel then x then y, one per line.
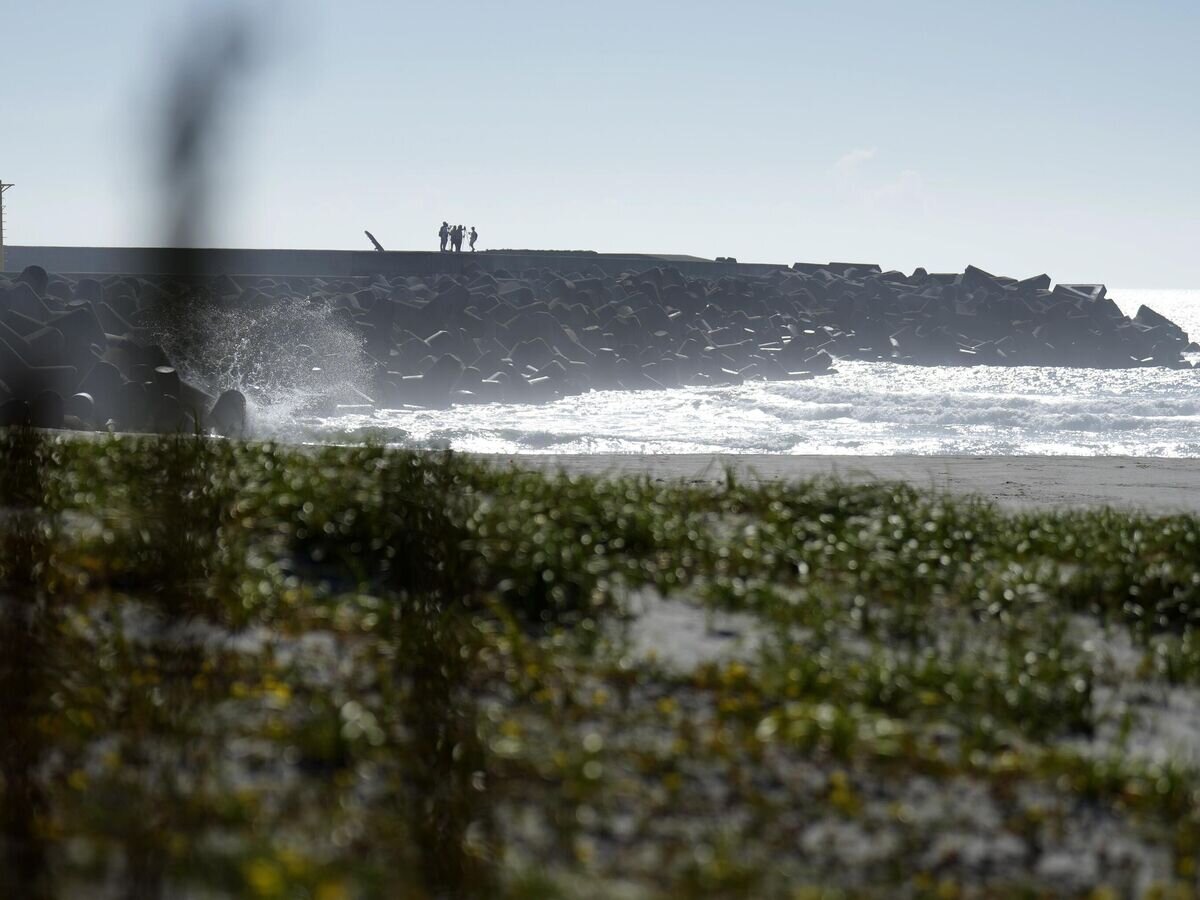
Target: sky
pixel 1021 137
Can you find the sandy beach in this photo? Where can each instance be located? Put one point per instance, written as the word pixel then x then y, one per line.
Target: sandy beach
pixel 1160 486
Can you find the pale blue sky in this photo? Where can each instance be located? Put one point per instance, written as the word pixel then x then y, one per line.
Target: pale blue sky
pixel 1018 136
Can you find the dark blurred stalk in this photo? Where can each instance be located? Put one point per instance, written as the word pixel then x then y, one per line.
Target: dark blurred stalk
pixel 449 813
pixel 450 818
pixel 184 506
pixel 27 633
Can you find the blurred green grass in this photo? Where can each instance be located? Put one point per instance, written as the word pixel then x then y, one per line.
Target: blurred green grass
pixel 252 670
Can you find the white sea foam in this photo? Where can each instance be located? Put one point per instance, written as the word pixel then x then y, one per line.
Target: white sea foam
pixel 282 357
pixel 865 408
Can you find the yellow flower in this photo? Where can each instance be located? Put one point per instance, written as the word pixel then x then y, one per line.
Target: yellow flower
pixel 331 890
pixel 264 878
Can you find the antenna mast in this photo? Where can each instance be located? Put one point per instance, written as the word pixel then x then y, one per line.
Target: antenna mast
pixel 3 187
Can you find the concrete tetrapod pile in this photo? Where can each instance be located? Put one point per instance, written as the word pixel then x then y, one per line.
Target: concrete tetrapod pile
pixel 539 334
pixel 73 355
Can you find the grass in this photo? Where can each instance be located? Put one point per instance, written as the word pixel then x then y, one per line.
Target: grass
pixel 250 670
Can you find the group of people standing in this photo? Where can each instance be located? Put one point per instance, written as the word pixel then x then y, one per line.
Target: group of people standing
pixel 454 236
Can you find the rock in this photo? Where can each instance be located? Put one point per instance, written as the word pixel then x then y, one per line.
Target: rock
pixel 35 277
pixel 539 389
pixel 453 298
pixel 47 410
pixel 974 279
pixel 1034 284
pixel 58 290
pixel 794 353
pixel 535 353
pixel 228 415
pixel 819 362
pixel 80 326
pixel 133 407
pixel 195 402
pixel 167 416
pixel 444 374
pixel 81 407
pixel 442 342
pixel 103 384
pixel 1080 292
pixel 45 347
pixel 166 379
pixel 22 376
pixel 25 300
pixel 13 413
pixel 493 387
pixel 112 322
pixel 1151 319
pixel 555 371
pixel 436 383
pixel 88 289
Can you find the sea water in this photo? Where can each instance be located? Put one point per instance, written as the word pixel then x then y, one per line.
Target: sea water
pixel 862 408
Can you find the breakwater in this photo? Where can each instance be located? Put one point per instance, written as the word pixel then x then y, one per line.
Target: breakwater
pixel 347 263
pixel 102 349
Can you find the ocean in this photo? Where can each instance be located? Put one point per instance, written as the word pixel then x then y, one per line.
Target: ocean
pixel 862 409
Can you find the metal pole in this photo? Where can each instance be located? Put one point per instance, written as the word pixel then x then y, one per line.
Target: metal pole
pixel 3 187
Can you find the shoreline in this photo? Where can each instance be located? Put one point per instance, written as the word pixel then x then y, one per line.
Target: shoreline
pixel 1161 486
pixel 1155 485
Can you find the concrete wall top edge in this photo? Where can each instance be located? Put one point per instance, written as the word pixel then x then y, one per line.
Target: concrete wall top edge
pixel 342 263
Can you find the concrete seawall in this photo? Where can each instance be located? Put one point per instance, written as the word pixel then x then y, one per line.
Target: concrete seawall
pixel 155 261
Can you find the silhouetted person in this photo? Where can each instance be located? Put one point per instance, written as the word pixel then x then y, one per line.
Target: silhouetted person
pixel 456 236
pixel 444 234
pixel 474 238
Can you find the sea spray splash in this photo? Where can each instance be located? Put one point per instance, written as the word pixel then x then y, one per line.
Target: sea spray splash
pixel 285 355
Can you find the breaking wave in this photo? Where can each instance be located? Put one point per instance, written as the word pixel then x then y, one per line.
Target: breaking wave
pixel 286 355
pixel 856 410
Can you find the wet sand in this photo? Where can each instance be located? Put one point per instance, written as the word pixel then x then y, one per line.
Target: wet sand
pixel 1159 486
